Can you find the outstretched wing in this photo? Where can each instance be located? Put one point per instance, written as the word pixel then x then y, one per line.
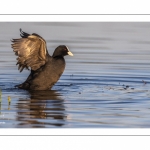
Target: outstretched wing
pixel 31 51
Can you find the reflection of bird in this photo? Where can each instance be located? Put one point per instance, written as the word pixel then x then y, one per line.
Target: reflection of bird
pixel 45 69
pixel 43 109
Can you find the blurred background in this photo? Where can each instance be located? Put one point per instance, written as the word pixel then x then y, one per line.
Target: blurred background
pixel 103 45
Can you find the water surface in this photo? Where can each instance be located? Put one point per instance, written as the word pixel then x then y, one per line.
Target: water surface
pixel 105 85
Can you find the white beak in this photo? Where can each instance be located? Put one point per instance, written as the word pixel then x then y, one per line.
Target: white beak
pixel 69 53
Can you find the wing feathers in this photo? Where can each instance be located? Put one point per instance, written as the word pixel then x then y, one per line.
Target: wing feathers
pixel 31 51
pixel 42 51
pixel 23 34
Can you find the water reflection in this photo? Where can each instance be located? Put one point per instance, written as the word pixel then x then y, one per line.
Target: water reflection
pixel 44 108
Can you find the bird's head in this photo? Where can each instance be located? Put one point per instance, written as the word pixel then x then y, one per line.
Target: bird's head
pixel 62 50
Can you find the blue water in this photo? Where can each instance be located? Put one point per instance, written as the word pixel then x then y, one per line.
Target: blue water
pixel 105 85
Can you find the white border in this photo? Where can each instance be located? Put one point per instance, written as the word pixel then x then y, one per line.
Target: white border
pixel 75 18
pixel 76 131
pixel 75 7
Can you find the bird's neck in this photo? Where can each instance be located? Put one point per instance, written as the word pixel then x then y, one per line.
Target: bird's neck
pixel 58 57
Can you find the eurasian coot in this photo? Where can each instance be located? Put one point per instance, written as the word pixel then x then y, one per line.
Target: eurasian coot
pixel 45 69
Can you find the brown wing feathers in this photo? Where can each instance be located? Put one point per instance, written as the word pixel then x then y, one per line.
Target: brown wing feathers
pixel 31 51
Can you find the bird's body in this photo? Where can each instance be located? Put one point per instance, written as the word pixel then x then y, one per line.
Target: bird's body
pixel 43 79
pixel 45 69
